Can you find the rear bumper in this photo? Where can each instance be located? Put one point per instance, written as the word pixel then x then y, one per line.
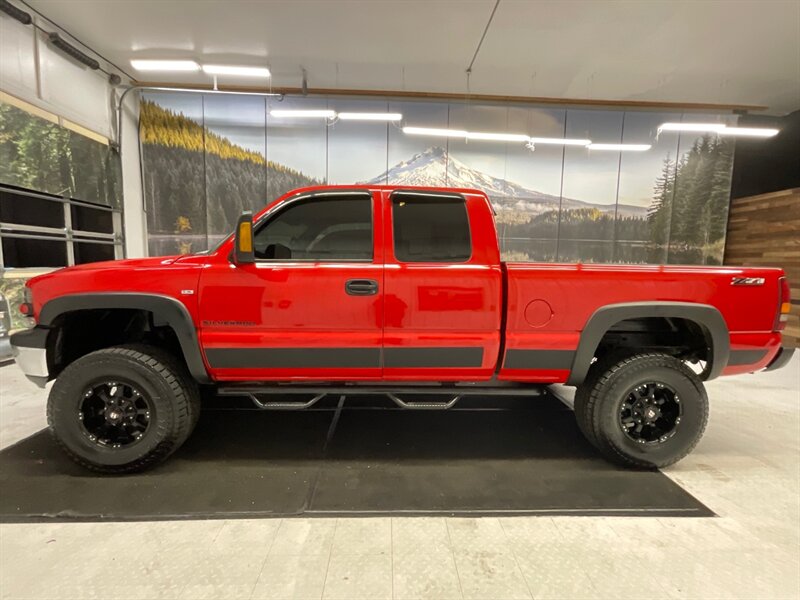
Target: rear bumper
pixel 783 356
pixel 30 352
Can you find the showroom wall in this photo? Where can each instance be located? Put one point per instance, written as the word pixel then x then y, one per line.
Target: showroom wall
pixel 60 178
pixel 206 157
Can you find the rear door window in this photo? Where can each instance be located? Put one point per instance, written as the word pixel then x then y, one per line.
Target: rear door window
pixel 430 228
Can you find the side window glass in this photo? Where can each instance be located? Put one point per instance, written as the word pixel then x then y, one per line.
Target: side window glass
pixel 430 229
pixel 324 229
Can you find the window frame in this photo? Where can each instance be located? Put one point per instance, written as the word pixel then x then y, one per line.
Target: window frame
pixel 273 213
pixel 446 195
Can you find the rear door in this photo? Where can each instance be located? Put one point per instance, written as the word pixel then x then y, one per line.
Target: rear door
pixel 310 307
pixel 443 286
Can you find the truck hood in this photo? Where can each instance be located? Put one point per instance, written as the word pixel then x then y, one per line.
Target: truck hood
pixel 162 275
pixel 105 265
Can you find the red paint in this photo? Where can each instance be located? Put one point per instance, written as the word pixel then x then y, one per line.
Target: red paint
pixel 419 305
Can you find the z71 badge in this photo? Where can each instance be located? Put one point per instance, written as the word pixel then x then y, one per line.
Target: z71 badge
pixel 747 281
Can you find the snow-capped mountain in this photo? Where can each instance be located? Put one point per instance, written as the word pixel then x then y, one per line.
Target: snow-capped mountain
pixel 434 168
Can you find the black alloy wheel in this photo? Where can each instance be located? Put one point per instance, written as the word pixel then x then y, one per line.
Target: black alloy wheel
pixel 650 413
pixel 114 414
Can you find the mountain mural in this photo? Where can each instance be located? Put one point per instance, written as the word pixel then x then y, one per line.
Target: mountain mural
pixel 434 167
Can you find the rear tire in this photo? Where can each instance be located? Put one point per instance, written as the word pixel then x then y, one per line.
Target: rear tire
pixel 123 409
pixel 583 414
pixel 645 411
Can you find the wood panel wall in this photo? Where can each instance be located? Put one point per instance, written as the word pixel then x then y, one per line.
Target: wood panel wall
pixel 764 231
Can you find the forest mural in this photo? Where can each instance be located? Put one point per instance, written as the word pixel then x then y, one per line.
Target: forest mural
pixel 41 155
pixel 206 158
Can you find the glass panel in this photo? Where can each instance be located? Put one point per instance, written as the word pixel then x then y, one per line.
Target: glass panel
pixel 85 218
pixel 646 185
pixel 417 159
pixel 297 148
pixel 357 149
pixel 702 196
pixel 87 252
pixel 527 218
pixel 428 229
pixel 596 251
pixel 38 154
pixel 171 132
pixel 590 186
pixel 321 229
pixel 27 210
pixel 235 150
pixel 20 253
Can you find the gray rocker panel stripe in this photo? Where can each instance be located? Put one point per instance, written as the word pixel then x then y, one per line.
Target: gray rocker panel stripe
pixel 343 358
pixel 438 357
pixel 539 359
pixel 745 357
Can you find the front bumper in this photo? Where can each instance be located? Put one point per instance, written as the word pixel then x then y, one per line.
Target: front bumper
pixel 783 356
pixel 6 352
pixel 30 352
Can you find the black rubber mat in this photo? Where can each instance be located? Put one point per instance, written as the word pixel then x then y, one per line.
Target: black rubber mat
pixel 351 457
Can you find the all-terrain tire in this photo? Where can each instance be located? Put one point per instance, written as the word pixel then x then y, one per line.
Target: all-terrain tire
pixel 171 395
pixel 609 388
pixel 583 414
pixel 179 370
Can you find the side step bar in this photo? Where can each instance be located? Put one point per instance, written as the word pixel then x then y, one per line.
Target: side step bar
pixel 455 393
pixel 423 405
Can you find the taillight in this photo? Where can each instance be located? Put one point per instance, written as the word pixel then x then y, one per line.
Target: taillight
pixel 784 305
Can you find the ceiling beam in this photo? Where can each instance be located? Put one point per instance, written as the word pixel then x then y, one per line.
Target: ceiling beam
pixel 398 94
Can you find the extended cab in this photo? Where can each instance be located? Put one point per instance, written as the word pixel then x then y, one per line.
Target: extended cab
pixel 395 290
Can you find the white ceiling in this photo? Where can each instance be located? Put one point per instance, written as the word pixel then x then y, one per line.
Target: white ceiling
pixel 729 52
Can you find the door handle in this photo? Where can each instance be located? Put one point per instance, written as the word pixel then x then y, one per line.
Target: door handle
pixel 361 287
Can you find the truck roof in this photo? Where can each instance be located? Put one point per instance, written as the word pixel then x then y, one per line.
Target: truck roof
pixel 391 188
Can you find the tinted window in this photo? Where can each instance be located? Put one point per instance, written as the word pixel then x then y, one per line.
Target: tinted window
pixel 430 229
pixel 318 229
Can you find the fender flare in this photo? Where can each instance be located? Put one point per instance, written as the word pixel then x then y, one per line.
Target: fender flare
pixel 166 310
pixel 605 317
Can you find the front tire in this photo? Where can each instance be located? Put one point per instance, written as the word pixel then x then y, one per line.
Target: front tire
pixel 646 410
pixel 122 409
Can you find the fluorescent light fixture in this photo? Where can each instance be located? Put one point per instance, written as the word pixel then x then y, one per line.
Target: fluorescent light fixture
pixel 560 141
pixel 621 147
pixel 691 127
pixel 233 70
pixel 165 65
pixel 356 116
pixel 497 137
pixel 303 114
pixel 433 131
pixel 720 129
pixel 762 132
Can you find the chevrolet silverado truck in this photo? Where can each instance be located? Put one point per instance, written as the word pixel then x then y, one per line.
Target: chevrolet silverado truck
pixel 398 291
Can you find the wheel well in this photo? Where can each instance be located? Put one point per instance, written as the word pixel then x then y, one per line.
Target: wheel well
pixel 76 333
pixel 679 337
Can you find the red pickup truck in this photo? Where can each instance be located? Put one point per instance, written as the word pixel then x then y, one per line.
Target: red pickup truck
pixel 378 289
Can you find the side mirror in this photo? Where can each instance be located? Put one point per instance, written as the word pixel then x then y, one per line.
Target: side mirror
pixel 243 252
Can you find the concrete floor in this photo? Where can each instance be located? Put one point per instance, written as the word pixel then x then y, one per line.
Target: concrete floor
pixel 746 469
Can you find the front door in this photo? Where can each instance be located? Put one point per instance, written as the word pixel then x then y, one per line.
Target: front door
pixel 310 307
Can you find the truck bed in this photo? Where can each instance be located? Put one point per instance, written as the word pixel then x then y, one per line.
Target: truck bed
pixel 549 305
